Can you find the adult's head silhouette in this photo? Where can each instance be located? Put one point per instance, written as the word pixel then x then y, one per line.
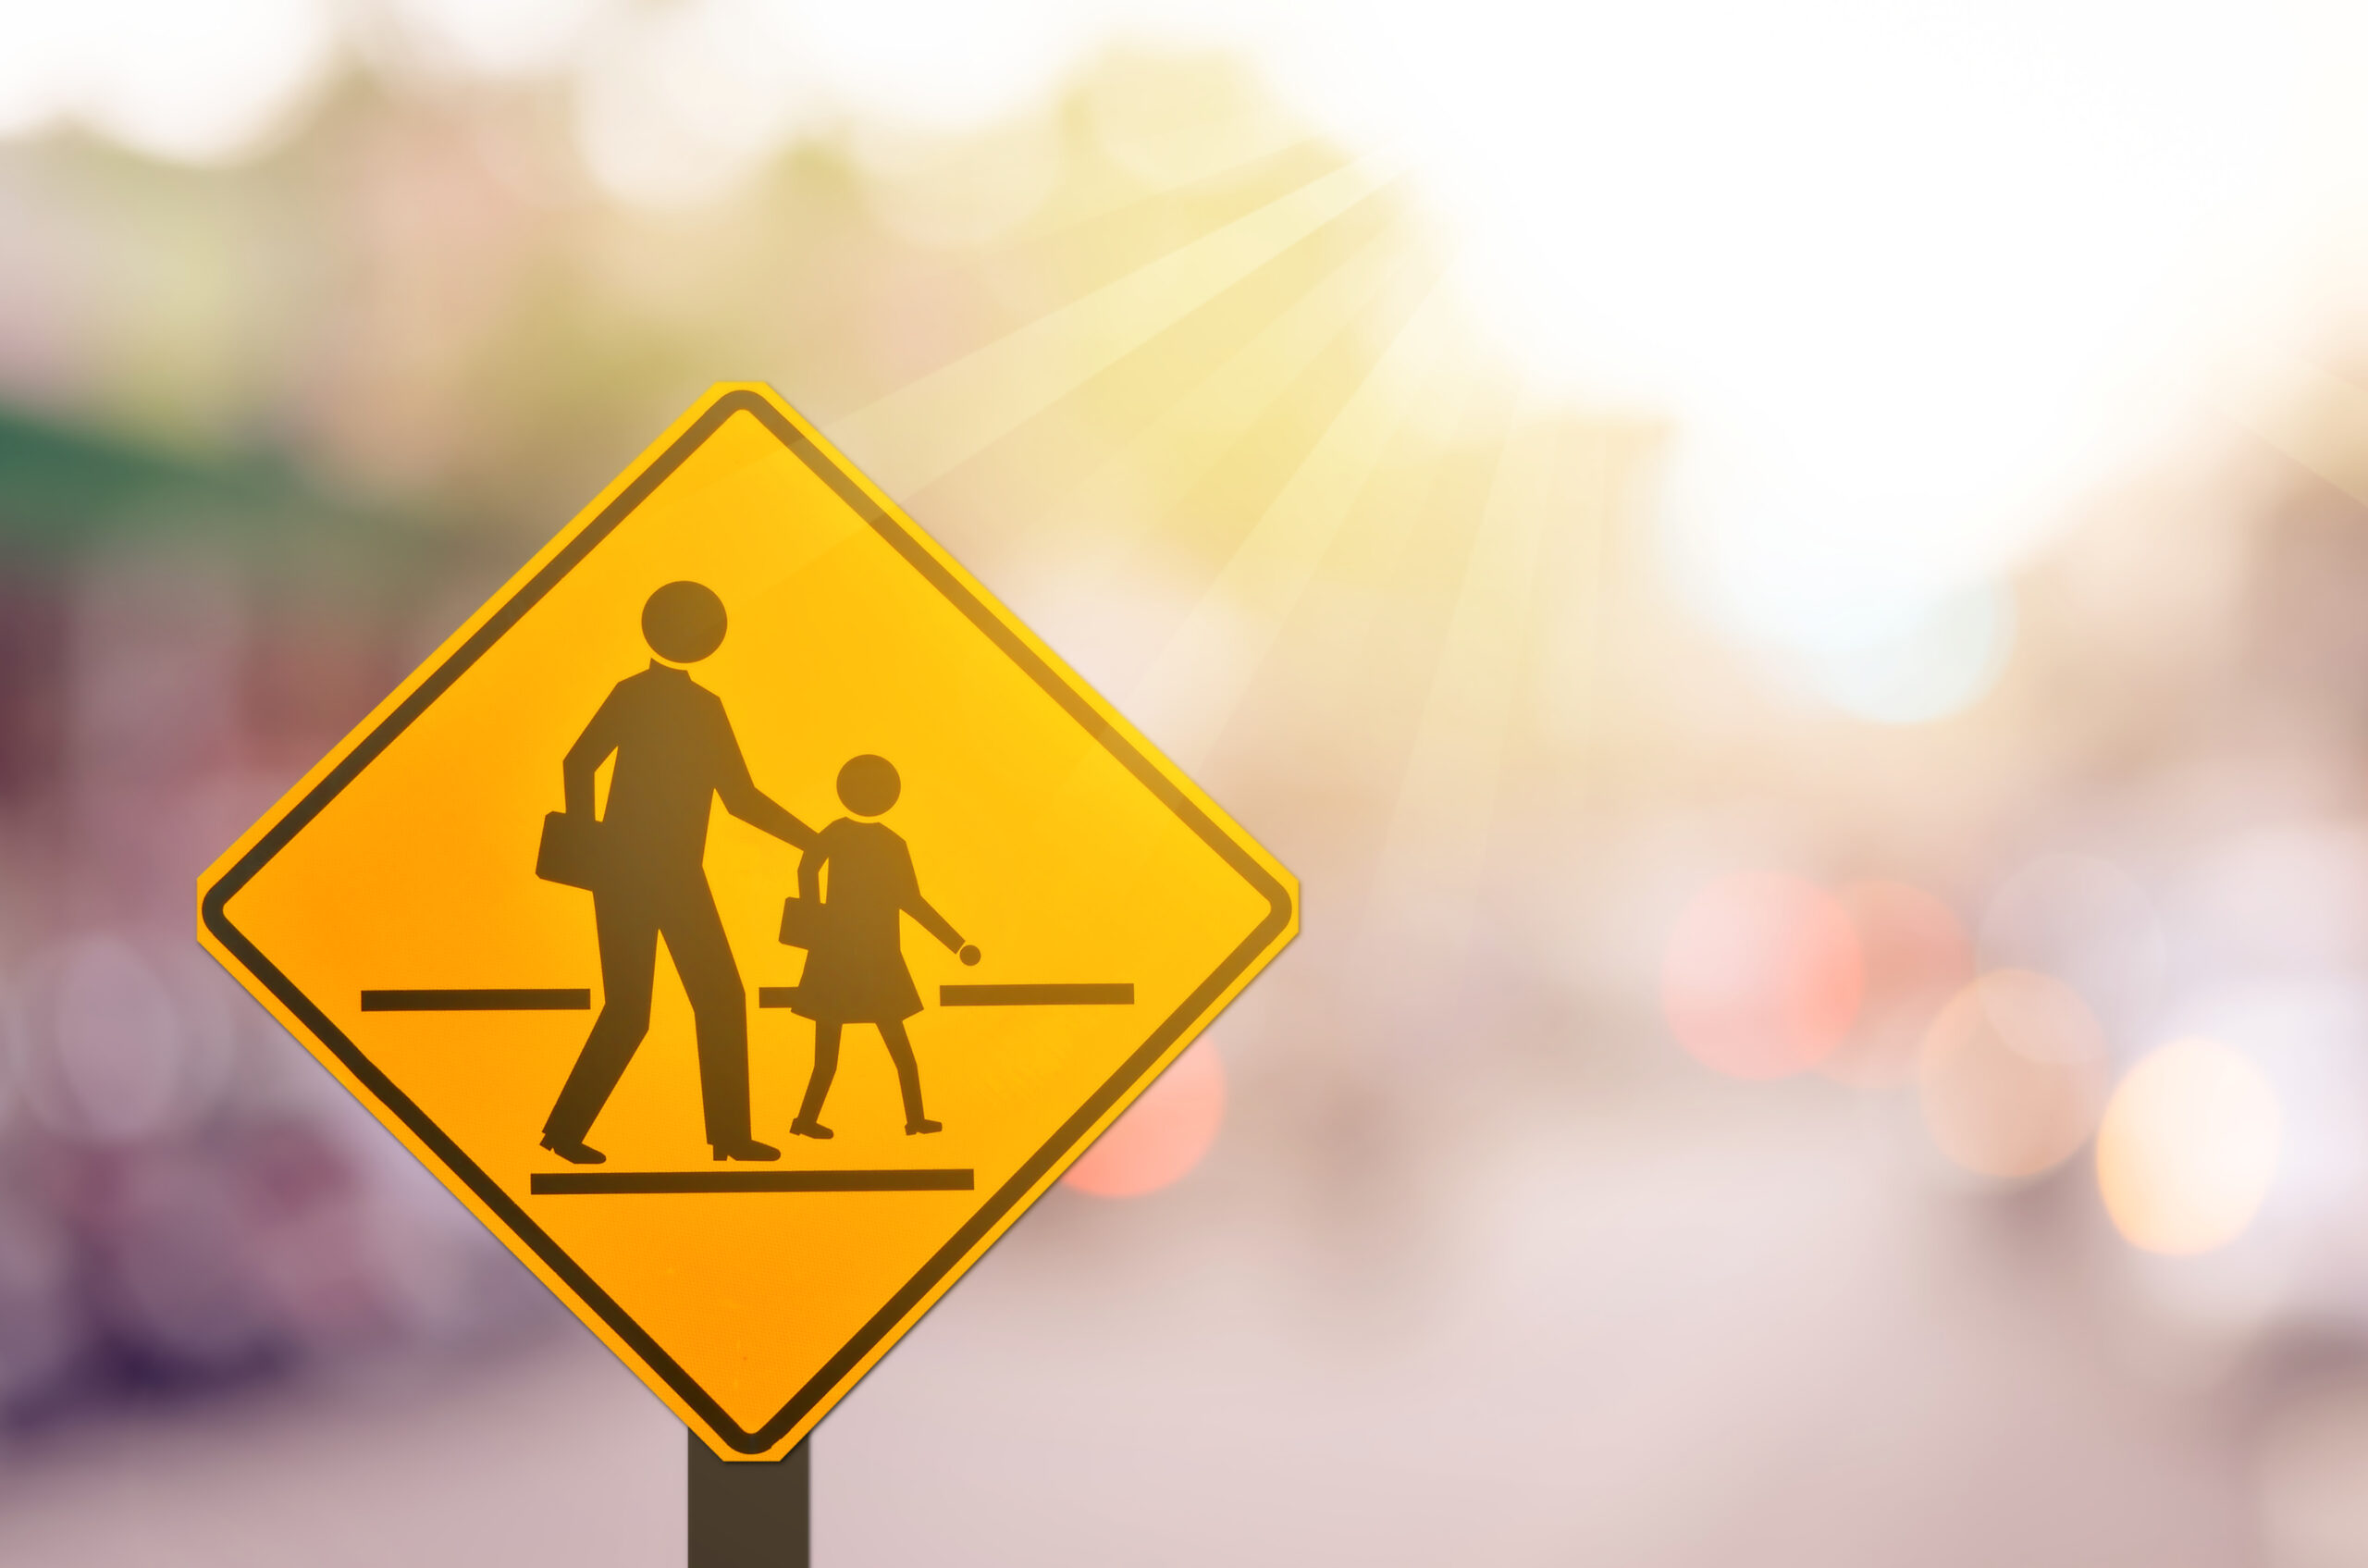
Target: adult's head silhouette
pixel 868 785
pixel 684 623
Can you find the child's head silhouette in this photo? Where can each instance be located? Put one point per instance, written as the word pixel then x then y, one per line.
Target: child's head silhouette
pixel 868 785
pixel 684 621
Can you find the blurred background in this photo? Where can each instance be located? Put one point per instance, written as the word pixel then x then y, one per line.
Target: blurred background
pixel 1792 581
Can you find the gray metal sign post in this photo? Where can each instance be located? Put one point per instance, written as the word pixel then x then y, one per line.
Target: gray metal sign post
pixel 750 1515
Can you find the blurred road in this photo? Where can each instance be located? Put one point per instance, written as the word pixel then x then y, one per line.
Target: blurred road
pixel 556 1455
pixel 1650 1340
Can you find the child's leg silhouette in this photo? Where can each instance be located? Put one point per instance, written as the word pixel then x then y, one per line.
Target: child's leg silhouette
pixel 908 1077
pixel 818 1087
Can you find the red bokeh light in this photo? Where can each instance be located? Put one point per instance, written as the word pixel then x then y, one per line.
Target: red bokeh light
pixel 1163 1135
pixel 1917 955
pixel 1762 976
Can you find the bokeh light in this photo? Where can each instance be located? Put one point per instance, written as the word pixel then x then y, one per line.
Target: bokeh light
pixel 1762 976
pixel 674 106
pixel 2087 920
pixel 103 1049
pixel 521 37
pixel 1917 955
pixel 2013 1075
pixel 194 83
pixel 2189 1147
pixel 1162 1136
pixel 1924 661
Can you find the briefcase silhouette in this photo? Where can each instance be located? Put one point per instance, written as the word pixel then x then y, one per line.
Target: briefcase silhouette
pixel 801 923
pixel 574 851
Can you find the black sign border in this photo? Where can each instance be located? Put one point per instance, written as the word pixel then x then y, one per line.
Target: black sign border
pixel 1006 1198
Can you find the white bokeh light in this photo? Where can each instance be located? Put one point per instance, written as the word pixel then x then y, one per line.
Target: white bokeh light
pixel 677 106
pixel 944 65
pixel 1936 659
pixel 41 50
pixel 191 84
pixel 513 39
pixel 2188 1148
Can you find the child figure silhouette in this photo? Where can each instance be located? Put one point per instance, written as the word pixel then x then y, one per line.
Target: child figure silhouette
pixel 855 966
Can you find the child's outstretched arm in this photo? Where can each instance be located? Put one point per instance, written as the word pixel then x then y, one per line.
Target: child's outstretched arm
pixel 937 925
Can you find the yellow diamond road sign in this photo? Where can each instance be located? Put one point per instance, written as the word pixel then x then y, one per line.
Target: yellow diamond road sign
pixel 749 1087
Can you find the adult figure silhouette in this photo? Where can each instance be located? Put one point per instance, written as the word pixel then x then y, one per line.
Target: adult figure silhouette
pixel 675 755
pixel 855 971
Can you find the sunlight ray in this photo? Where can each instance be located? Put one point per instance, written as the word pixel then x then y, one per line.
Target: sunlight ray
pixel 1434 856
pixel 1005 487
pixel 1173 454
pixel 1206 666
pixel 916 434
pixel 1092 250
pixel 2300 409
pixel 1047 269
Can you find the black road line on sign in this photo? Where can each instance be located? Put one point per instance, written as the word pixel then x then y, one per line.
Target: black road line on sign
pixel 1035 995
pixel 1091 996
pixel 551 1182
pixel 514 1000
pixel 1031 1173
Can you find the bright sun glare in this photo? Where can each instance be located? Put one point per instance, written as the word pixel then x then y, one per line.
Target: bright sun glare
pixel 1910 280
pixel 1907 282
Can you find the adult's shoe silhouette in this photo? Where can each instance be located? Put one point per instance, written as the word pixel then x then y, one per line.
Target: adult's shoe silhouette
pixel 748 1150
pixel 575 1153
pixel 924 1125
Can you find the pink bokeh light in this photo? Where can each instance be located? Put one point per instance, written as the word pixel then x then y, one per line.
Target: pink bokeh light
pixel 1762 976
pixel 1163 1135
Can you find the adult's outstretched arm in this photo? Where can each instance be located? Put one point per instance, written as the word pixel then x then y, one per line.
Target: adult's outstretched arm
pixel 744 800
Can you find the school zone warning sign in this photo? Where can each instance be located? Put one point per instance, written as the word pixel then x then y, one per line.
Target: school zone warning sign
pixel 749 1087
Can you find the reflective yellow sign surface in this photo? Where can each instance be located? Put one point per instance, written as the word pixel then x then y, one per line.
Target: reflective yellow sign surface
pixel 741 766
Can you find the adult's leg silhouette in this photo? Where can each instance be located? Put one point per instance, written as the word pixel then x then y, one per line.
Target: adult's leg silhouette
pixel 629 923
pixel 627 929
pixel 702 957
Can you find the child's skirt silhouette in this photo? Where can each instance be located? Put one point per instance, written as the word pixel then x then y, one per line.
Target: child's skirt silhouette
pixel 855 971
